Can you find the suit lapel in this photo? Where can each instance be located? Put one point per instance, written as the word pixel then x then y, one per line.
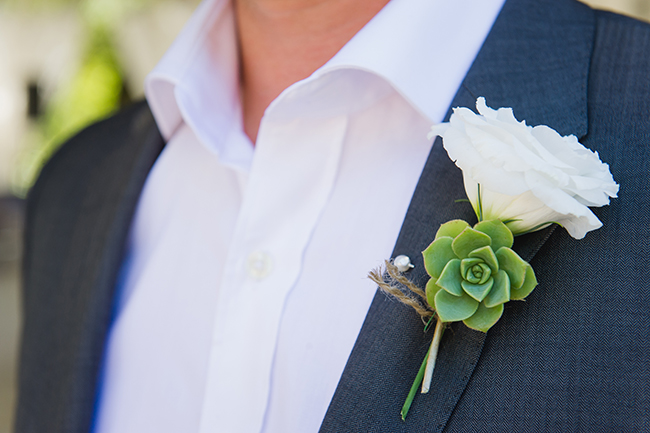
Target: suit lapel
pixel 535 61
pixel 101 234
pixel 76 246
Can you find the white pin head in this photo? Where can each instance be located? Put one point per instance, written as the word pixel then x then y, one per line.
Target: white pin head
pixel 403 263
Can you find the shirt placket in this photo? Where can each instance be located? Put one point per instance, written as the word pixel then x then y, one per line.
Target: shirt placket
pixel 291 179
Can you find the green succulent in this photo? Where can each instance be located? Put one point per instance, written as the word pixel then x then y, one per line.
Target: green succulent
pixel 474 271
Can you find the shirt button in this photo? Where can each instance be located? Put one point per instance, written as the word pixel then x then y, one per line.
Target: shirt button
pixel 259 265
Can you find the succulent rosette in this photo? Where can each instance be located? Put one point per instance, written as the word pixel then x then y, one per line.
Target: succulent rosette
pixel 474 271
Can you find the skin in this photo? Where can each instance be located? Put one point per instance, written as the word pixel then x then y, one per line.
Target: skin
pixel 284 41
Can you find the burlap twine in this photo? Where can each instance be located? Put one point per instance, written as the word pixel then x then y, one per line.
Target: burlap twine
pixel 396 285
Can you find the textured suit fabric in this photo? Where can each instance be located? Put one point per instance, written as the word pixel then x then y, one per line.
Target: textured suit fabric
pixel 573 357
pixel 78 217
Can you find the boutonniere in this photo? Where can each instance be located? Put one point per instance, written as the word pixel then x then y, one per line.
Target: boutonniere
pixel 519 179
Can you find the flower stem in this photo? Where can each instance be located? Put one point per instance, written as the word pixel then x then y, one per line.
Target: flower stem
pixel 414 388
pixel 432 355
pixel 480 205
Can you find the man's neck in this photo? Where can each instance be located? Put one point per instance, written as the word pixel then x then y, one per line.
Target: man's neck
pixel 284 41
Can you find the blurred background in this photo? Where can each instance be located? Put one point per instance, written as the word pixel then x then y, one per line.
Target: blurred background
pixel 63 65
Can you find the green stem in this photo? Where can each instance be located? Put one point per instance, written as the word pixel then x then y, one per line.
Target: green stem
pixel 431 319
pixel 479 214
pixel 414 388
pixel 433 354
pixel 537 227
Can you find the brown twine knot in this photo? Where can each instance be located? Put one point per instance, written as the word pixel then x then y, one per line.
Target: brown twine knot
pixel 392 282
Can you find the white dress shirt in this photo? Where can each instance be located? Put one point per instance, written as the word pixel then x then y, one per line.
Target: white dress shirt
pixel 244 285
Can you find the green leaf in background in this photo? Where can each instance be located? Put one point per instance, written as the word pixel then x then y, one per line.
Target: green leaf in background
pixel 96 91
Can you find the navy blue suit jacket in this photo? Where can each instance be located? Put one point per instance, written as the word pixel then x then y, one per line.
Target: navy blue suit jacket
pixel 575 356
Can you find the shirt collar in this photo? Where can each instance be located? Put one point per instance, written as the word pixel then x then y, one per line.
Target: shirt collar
pixel 423 48
pixel 197 78
pixel 196 82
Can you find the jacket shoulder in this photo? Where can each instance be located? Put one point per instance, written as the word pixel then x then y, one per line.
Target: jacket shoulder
pixel 626 22
pixel 78 215
pixel 619 81
pixel 106 148
pixel 85 166
pixel 77 156
pixel 622 50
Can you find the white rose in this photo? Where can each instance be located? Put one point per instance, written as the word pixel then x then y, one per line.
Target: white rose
pixel 529 176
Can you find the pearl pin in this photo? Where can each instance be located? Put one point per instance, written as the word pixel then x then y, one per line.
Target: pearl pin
pixel 403 263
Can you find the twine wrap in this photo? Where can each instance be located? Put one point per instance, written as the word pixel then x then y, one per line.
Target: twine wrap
pixel 394 284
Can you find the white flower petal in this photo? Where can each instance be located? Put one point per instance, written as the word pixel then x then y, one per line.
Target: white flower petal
pixel 529 176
